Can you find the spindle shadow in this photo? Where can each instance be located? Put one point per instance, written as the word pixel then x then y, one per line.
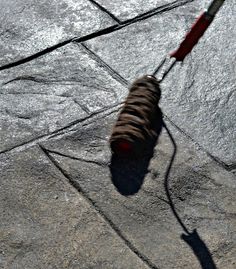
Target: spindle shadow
pixel 127 174
pixel 193 239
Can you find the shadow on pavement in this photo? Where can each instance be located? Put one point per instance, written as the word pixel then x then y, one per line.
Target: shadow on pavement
pixel 127 174
pixel 193 239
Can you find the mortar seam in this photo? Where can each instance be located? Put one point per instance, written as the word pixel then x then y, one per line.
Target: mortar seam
pixel 117 231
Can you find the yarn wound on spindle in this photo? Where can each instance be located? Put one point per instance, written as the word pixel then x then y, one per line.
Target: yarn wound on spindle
pixel 135 130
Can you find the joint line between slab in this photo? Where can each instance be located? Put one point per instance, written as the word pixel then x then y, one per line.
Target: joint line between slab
pixel 99 211
pixel 222 164
pixel 110 70
pixel 103 9
pixel 41 138
pixel 105 31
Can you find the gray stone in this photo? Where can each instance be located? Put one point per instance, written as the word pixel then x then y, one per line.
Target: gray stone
pixel 137 49
pixel 29 26
pixel 204 104
pixel 46 223
pixel 199 96
pixel 202 192
pixel 51 92
pixel 131 8
pixel 125 213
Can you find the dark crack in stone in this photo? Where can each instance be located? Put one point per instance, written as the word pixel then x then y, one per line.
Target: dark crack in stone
pixel 46 223
pixel 132 8
pixel 199 96
pixel 202 192
pixel 29 26
pixel 51 92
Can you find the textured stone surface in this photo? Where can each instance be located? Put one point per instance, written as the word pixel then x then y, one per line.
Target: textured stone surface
pixel 199 96
pixel 138 49
pixel 205 97
pixel 203 195
pixel 29 26
pixel 46 223
pixel 51 92
pixel 131 8
pixel 67 203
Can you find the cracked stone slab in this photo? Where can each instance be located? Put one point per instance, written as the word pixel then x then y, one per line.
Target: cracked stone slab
pixel 30 26
pixel 137 49
pixel 131 8
pixel 204 104
pixel 199 96
pixel 51 92
pixel 46 223
pixel 202 191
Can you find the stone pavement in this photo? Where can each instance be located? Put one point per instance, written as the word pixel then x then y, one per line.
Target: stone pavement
pixel 64 73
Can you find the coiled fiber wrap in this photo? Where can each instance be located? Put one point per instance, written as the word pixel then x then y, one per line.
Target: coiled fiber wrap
pixel 135 126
